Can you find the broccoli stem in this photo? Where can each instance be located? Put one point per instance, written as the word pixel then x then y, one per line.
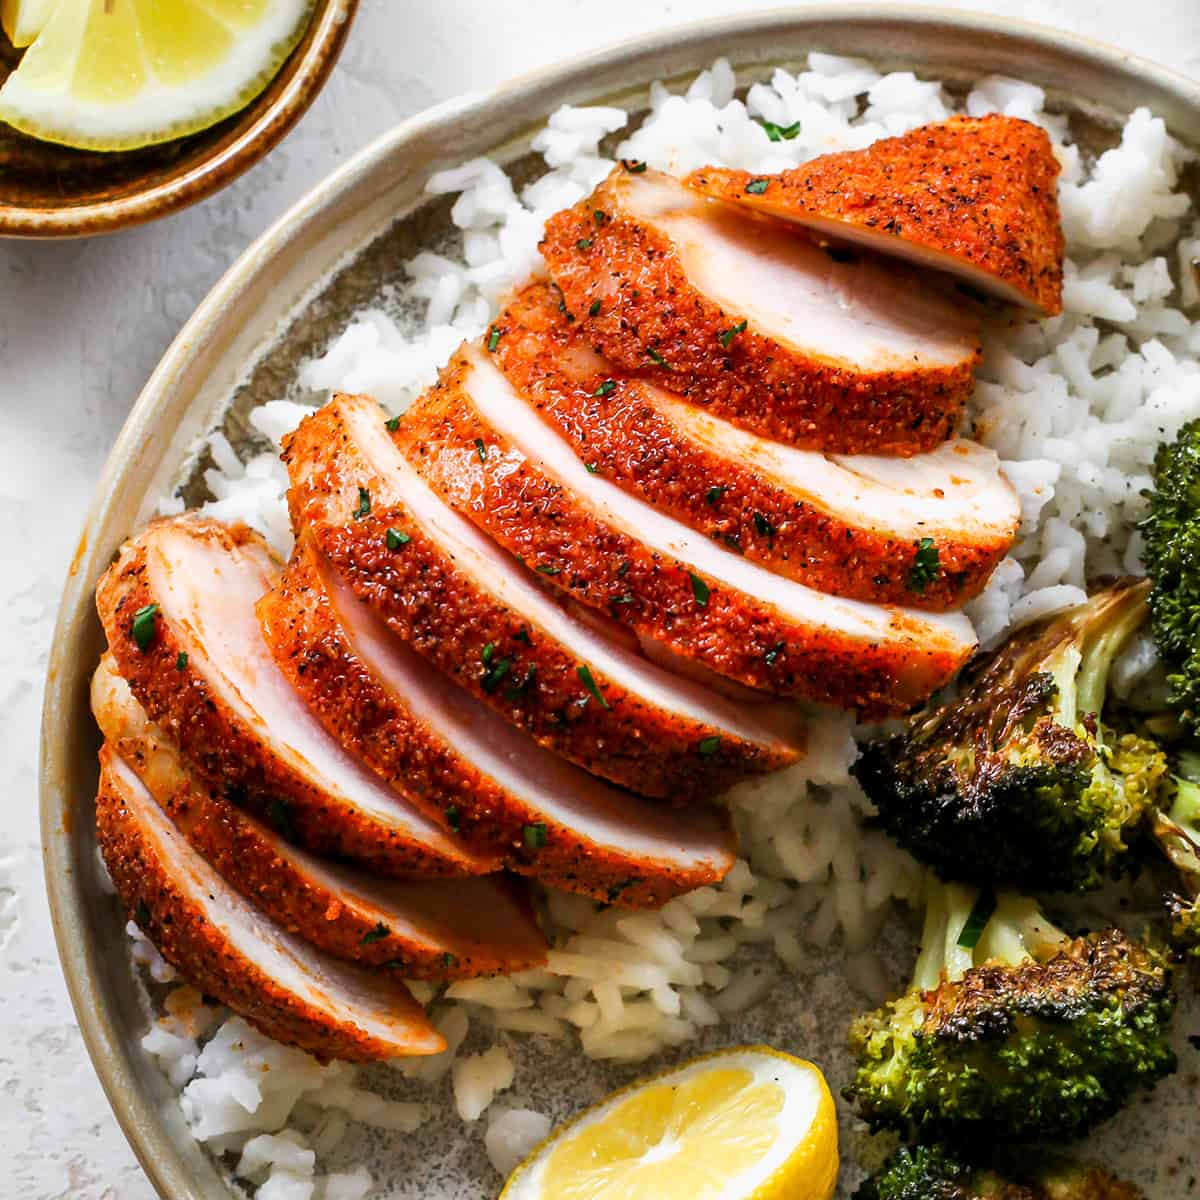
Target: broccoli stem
pixel 947 908
pixel 1178 834
pixel 1104 644
pixel 1015 932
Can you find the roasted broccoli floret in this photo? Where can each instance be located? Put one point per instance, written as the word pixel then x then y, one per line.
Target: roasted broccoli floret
pixel 938 1173
pixel 1177 832
pixel 1011 1029
pixel 1172 556
pixel 1017 782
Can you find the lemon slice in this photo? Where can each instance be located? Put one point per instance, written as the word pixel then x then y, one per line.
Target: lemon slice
pixel 23 20
pixel 742 1124
pixel 118 74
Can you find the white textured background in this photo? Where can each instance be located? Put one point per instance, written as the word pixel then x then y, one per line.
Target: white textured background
pixel 81 327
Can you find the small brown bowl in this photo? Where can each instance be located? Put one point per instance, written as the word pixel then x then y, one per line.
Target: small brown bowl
pixel 49 191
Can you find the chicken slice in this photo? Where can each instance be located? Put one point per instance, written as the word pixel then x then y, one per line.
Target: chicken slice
pixel 859 526
pixel 484 447
pixel 178 609
pixel 755 320
pixel 226 947
pixel 466 767
pixel 427 929
pixel 470 608
pixel 974 196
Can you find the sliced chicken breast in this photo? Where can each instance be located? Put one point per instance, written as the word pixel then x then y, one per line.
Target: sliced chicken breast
pixel 484 447
pixel 472 610
pixel 226 947
pixel 178 609
pixel 924 531
pixel 485 780
pixel 435 929
pixel 974 196
pixel 755 320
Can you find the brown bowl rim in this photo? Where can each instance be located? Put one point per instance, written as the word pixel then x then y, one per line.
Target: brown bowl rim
pixel 311 65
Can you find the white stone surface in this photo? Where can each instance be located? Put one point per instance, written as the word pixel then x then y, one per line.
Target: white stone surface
pixel 81 327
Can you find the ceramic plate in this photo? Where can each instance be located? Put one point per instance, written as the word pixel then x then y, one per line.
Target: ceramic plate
pixel 283 299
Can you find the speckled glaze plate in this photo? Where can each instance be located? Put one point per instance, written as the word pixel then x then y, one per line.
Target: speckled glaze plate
pixel 338 249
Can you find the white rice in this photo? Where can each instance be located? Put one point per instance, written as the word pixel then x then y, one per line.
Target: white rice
pixel 1074 406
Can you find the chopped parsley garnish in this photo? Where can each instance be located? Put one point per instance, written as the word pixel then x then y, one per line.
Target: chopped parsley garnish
pixel 756 187
pixel 522 635
pixel 763 527
pixel 980 915
pixel 600 215
pixel 594 311
pixel 585 675
pixel 451 814
pixel 709 746
pixel 925 565
pixel 534 836
pixel 606 388
pixel 732 332
pixel 392 424
pixel 634 166
pixel 515 690
pixel 494 335
pixel 364 504
pixel 627 598
pixel 623 569
pixel 714 494
pixel 656 358
pixel 449 960
pixel 281 819
pixel 592 469
pixel 619 887
pixel 549 570
pixel 583 244
pixel 375 935
pixel 700 589
pixel 772 656
pixel 145 626
pixel 481 449
pixel 781 133
pixel 181 661
pixel 495 674
pixel 397 538
pixel 487 653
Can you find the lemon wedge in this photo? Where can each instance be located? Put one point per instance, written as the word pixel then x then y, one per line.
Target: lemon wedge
pixel 23 20
pixel 742 1124
pixel 119 74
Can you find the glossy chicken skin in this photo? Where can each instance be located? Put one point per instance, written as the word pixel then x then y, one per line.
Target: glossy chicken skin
pixel 467 606
pixel 486 781
pixel 858 526
pixel 974 196
pixel 435 929
pixel 757 322
pixel 227 948
pixel 204 675
pixel 488 452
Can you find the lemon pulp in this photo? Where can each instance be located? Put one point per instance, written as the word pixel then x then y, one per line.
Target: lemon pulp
pixel 23 20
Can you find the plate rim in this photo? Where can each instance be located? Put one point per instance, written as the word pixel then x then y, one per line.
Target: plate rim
pixel 160 1155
